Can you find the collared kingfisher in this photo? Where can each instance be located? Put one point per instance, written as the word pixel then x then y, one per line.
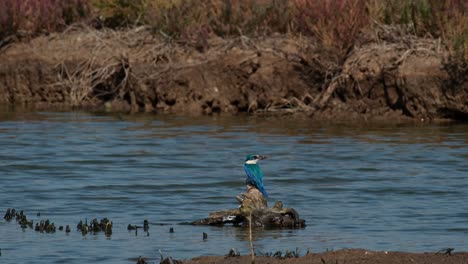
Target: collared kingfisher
pixel 254 173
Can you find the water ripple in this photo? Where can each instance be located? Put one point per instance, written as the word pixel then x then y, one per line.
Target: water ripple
pixel 381 187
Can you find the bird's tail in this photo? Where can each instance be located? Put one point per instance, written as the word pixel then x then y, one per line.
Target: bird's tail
pixel 262 190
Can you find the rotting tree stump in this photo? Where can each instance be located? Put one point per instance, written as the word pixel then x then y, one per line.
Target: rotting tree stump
pixel 254 207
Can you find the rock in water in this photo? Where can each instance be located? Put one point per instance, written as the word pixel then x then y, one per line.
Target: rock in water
pixel 254 205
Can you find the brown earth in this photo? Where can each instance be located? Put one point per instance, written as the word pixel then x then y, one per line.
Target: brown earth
pixel 348 256
pixel 391 76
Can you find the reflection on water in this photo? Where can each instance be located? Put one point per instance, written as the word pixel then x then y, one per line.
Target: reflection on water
pixel 375 186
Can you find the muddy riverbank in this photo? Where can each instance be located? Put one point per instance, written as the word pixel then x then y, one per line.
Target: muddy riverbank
pixel 390 76
pixel 351 256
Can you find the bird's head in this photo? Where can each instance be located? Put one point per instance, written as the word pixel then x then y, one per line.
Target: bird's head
pixel 253 159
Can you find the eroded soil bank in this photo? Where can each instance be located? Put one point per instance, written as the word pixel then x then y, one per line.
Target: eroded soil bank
pixel 351 256
pixel 390 76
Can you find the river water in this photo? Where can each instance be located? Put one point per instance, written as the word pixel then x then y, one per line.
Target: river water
pixel 379 187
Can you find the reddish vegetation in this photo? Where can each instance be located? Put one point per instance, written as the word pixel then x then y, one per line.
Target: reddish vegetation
pixel 40 15
pixel 337 24
pixel 328 59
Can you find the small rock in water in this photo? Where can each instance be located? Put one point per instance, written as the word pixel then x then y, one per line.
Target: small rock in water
pixel 20 216
pixel 67 229
pixel 170 260
pixel 7 215
pixel 50 228
pixel 205 236
pixel 141 260
pixel 108 229
pixel 95 226
pixel 233 252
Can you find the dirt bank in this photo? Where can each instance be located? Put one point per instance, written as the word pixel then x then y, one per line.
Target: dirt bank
pixel 352 256
pixel 390 76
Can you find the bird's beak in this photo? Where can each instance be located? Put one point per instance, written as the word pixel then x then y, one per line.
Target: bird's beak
pixel 261 157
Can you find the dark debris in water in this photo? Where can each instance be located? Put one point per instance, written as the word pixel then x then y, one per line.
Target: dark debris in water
pixel 283 255
pixel 446 251
pixel 132 227
pixel 20 217
pixel 67 228
pixel 233 252
pixel 170 260
pixel 45 225
pixel 95 226
pixel 10 213
pixel 135 227
pixel 145 227
pixel 141 260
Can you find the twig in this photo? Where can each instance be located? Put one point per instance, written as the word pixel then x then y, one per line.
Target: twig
pixel 323 98
pixel 252 251
pixel 403 57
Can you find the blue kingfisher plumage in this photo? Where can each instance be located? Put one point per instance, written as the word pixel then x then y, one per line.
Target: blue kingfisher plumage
pixel 254 173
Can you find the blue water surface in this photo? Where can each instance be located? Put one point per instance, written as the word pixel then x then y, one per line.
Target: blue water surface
pixel 375 186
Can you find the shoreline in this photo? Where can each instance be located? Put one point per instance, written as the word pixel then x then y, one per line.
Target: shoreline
pixel 134 71
pixel 350 256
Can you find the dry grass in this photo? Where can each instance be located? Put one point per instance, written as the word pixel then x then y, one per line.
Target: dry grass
pixel 445 19
pixel 35 16
pixel 103 80
pixel 103 74
pixel 336 24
